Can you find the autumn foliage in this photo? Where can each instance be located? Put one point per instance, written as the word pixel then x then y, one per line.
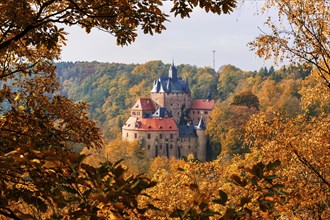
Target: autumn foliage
pixel 272 126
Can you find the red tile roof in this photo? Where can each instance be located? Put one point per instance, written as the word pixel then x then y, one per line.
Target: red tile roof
pixel 144 104
pixel 203 104
pixel 150 124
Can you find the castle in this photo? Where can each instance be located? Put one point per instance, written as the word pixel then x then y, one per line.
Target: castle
pixel 169 123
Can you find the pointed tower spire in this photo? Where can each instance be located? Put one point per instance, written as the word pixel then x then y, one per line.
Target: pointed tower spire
pixel 172 73
pixel 201 124
pixel 155 88
pixel 168 86
pixel 161 89
pixel 209 96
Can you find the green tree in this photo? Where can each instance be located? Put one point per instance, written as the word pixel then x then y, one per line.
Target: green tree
pixel 228 80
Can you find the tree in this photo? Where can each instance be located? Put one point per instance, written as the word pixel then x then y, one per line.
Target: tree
pixel 228 80
pixel 132 155
pixel 246 98
pixel 302 146
pixel 226 127
pixel 315 98
pixel 301 34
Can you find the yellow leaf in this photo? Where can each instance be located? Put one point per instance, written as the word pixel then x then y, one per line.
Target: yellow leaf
pixel 36 161
pixel 17 97
pixel 21 108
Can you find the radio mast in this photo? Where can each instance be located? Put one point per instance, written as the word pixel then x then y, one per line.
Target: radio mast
pixel 213 59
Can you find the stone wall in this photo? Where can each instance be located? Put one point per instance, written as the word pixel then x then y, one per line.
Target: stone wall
pixel 167 143
pixel 196 114
pixel 174 102
pixel 157 143
pixel 158 98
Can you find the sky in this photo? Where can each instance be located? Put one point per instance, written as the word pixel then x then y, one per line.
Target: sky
pixel 186 41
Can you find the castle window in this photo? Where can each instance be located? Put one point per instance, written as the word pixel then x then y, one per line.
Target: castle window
pixel 178 113
pixel 160 147
pixel 148 136
pixel 171 146
pixel 171 136
pixel 133 113
pixel 205 112
pixel 127 134
pixel 189 146
pixel 148 146
pixel 198 112
pixel 138 113
pixel 193 112
pixel 160 136
pixel 135 135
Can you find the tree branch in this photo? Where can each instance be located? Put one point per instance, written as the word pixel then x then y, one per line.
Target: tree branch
pixel 8 213
pixel 310 166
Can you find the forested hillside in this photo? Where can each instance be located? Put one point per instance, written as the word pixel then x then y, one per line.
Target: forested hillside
pixel 111 89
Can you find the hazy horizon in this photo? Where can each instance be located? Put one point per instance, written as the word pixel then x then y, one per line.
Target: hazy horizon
pixel 186 41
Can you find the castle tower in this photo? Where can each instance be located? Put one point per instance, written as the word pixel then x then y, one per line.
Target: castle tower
pixel 173 72
pixel 202 139
pixel 173 93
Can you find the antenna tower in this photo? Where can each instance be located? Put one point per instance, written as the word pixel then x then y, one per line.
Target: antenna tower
pixel 213 59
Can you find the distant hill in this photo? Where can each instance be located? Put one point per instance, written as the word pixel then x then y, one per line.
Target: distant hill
pixel 112 88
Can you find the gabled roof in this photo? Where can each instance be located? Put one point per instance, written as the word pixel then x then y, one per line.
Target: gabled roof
pixel 171 83
pixel 150 124
pixel 162 113
pixel 203 104
pixel 166 84
pixel 144 104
